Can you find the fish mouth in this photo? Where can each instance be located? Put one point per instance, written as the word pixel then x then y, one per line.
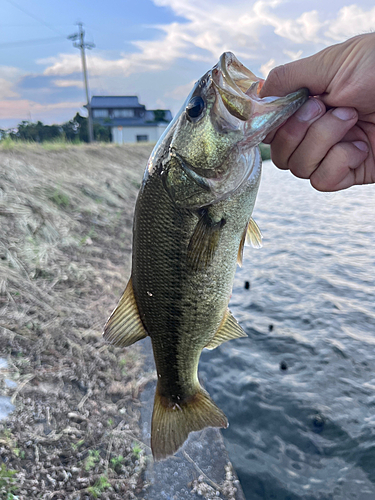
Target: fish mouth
pixel 239 91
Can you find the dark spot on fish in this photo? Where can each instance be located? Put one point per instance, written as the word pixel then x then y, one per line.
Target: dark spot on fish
pixel 270 327
pixel 283 365
pixel 247 285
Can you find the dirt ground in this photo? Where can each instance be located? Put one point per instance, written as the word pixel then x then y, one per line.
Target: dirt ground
pixel 65 247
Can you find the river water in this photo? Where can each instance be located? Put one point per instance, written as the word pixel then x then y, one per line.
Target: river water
pixel 299 392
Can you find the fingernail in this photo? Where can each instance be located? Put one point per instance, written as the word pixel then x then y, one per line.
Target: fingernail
pixel 361 145
pixel 344 113
pixel 308 111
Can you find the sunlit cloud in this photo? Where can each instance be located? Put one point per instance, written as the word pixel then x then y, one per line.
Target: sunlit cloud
pixel 68 83
pixel 262 34
pixel 351 20
pixel 266 68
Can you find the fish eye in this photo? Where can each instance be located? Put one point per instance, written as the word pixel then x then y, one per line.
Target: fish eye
pixel 195 107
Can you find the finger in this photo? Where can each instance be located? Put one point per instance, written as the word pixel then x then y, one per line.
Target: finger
pixel 288 137
pixel 338 169
pixel 308 72
pixel 322 135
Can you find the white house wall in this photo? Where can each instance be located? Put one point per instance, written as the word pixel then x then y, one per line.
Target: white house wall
pixel 121 135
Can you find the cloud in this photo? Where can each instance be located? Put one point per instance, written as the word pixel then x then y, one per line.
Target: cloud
pixel 254 32
pixel 9 77
pixel 6 89
pixel 293 55
pixel 266 68
pixel 21 109
pixel 68 83
pixel 181 92
pixel 351 20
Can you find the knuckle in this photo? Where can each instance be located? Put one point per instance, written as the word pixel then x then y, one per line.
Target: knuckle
pixel 278 159
pixel 342 154
pixel 277 76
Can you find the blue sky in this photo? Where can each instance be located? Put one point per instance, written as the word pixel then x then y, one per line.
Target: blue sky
pixel 154 49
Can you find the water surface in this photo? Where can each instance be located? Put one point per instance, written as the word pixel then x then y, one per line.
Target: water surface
pixel 306 431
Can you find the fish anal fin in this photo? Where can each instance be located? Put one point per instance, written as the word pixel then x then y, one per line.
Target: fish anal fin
pixel 124 327
pixel 172 422
pixel 253 235
pixel 229 329
pixel 203 242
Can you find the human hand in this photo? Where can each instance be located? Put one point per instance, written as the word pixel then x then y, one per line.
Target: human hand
pixel 331 138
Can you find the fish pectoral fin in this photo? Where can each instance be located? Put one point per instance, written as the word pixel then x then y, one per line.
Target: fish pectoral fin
pixel 172 422
pixel 251 236
pixel 124 327
pixel 229 329
pixel 204 242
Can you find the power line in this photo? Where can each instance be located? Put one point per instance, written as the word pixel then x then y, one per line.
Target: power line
pixel 34 17
pixel 35 41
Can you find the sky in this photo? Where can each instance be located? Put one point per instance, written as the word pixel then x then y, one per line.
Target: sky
pixel 155 49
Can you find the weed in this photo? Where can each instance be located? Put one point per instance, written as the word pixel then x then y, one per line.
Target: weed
pixel 98 488
pixel 92 459
pixel 116 461
pixel 59 198
pixel 91 234
pixel 137 450
pixel 7 485
pixel 110 422
pixel 75 446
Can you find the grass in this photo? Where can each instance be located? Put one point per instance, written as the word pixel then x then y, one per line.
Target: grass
pixel 92 459
pixel 55 144
pixel 7 483
pixel 63 266
pixel 137 450
pixel 99 487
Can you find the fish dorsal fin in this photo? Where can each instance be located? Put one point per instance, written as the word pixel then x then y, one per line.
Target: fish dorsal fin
pixel 204 242
pixel 229 329
pixel 251 236
pixel 124 326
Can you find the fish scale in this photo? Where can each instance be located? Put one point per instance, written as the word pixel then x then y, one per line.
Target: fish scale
pixel 192 216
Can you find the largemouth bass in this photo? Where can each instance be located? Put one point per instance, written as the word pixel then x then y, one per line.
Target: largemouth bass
pixel 192 217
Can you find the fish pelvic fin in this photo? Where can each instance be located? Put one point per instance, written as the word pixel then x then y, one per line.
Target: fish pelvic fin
pixel 251 236
pixel 124 327
pixel 228 330
pixel 172 422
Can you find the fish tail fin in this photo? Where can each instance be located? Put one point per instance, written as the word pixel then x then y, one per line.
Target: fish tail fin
pixel 172 422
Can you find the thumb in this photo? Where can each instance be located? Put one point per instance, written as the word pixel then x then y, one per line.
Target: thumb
pixel 311 72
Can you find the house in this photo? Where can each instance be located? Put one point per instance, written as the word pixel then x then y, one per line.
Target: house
pixel 129 120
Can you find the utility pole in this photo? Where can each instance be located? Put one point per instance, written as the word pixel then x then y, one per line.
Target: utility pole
pixel 80 36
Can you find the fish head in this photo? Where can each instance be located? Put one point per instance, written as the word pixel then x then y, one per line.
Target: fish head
pixel 213 140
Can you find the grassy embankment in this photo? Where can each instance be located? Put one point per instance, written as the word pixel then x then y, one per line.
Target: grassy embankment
pixel 65 246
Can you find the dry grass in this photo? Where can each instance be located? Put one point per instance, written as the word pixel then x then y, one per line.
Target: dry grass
pixel 65 246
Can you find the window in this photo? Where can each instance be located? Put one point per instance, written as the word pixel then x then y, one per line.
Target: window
pixel 142 138
pixel 100 113
pixel 123 113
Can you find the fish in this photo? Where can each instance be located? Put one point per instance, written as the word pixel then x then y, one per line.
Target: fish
pixel 192 218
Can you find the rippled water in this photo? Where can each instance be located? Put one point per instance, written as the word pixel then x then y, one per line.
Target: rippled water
pixel 308 431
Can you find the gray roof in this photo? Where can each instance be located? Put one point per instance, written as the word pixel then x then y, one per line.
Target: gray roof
pixel 112 101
